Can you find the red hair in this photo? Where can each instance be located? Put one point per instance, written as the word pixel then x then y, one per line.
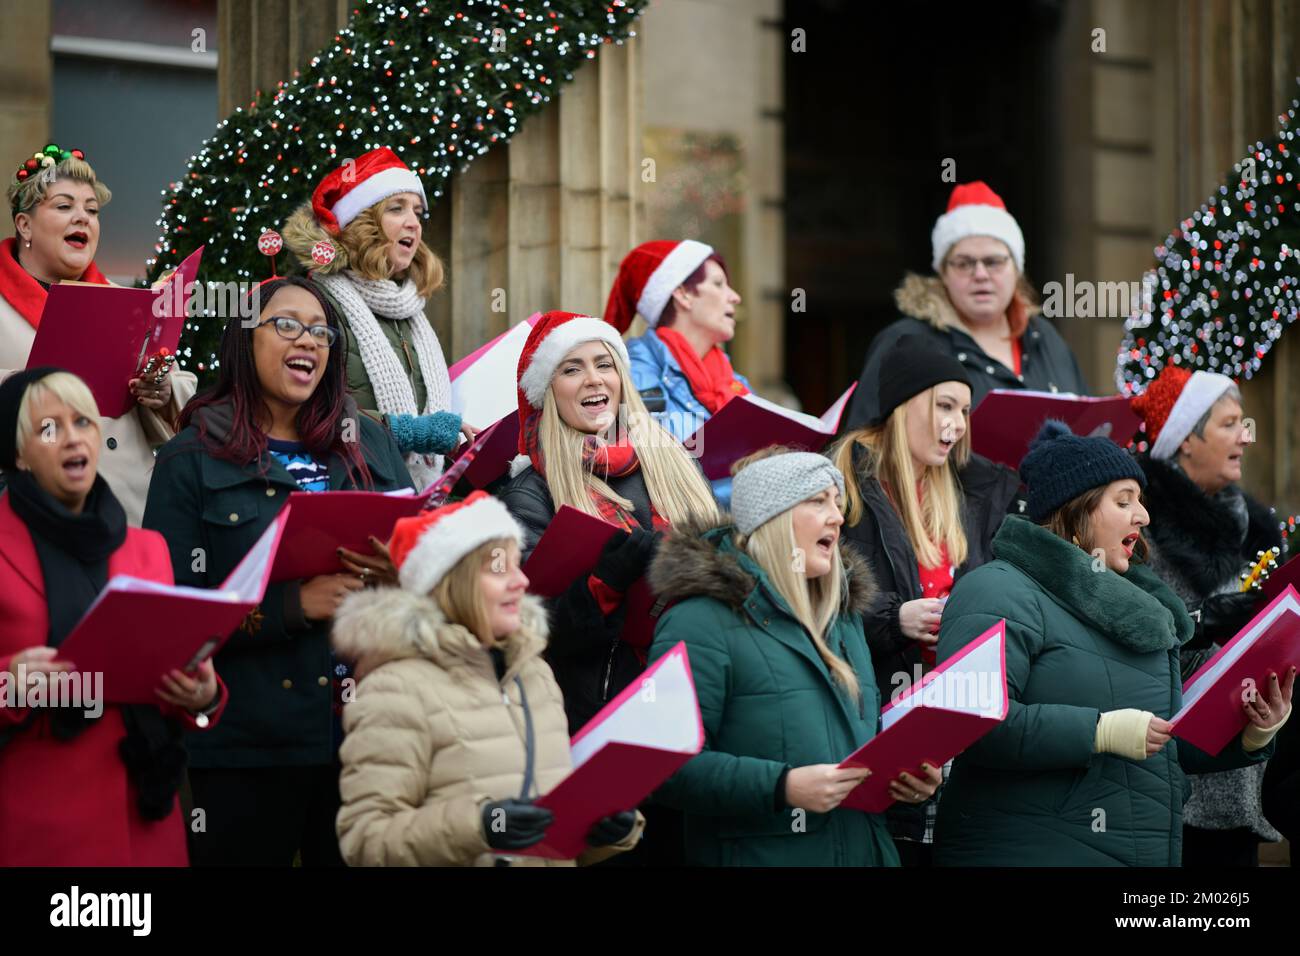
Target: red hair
pixel 691 283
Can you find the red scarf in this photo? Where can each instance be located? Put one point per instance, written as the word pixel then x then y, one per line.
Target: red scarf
pixel 22 291
pixel 601 459
pixel 711 378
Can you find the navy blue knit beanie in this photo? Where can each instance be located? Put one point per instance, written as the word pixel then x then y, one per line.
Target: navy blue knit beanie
pixel 1061 466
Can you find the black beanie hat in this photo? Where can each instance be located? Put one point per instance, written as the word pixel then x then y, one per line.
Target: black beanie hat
pixel 910 366
pixel 1061 466
pixel 12 391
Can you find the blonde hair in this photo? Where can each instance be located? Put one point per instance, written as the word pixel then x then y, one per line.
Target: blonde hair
pixel 24 195
pixel 361 247
pixel 816 602
pixel 676 488
pixel 934 517
pixel 64 386
pixel 459 594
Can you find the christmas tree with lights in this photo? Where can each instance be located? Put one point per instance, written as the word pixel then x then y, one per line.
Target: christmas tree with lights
pixel 438 82
pixel 1225 285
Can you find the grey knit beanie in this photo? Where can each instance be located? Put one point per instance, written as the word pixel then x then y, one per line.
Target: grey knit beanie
pixel 764 489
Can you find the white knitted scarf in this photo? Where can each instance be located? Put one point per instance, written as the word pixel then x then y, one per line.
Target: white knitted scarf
pixel 361 300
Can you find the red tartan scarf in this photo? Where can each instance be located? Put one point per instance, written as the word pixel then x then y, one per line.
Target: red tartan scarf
pixel 24 293
pixel 601 459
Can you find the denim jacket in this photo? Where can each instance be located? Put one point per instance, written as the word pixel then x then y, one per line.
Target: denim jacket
pixel 666 391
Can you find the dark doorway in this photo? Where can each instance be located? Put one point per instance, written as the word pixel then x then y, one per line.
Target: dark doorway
pixel 882 96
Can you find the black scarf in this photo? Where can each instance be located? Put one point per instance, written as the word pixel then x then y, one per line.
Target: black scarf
pixel 73 551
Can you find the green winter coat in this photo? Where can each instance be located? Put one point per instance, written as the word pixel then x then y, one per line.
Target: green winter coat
pixel 277 666
pixel 1079 642
pixel 768 704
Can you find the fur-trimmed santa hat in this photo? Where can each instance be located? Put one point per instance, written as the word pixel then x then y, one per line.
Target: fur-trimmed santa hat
pixel 425 547
pixel 555 335
pixel 976 210
pixel 354 187
pixel 1173 404
pixel 647 277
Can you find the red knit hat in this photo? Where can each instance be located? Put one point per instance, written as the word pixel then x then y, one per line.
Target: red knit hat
pixel 555 335
pixel 1174 403
pixel 425 547
pixel 647 277
pixel 976 210
pixel 356 186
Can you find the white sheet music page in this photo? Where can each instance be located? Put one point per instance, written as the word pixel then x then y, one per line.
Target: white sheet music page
pixel 1285 607
pixel 975 684
pixel 661 712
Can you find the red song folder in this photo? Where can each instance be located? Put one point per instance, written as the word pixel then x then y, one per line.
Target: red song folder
pixel 637 741
pixel 1006 421
pixel 138 630
pixel 323 521
pixel 1212 715
pixel 953 706
pixel 1278 580
pixel 569 550
pixel 104 333
pixel 491 452
pixel 748 423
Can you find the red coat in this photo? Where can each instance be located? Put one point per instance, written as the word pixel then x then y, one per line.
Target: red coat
pixel 69 803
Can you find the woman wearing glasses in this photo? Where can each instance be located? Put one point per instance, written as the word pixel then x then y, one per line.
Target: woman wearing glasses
pixel 978 308
pixel 360 238
pixel 278 421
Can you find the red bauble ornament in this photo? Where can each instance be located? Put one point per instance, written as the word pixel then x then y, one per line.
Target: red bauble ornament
pixel 22 174
pixel 323 253
pixel 269 243
pixel 31 164
pixel 78 154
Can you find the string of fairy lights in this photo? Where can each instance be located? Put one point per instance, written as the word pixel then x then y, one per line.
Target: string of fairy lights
pixel 438 82
pixel 1226 280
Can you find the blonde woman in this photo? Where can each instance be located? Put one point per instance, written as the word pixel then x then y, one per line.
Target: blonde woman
pixel 458 723
pixel 770 608
pixel 56 202
pixel 360 239
pixel 923 509
pixel 587 441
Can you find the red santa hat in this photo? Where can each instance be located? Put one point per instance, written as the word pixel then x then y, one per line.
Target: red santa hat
pixel 354 187
pixel 647 277
pixel 1173 404
pixel 976 210
pixel 425 547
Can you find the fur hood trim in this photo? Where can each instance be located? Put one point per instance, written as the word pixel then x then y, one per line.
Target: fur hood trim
pixel 373 627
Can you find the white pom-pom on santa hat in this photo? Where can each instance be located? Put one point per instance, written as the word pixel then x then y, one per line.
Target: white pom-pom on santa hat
pixel 647 277
pixel 976 210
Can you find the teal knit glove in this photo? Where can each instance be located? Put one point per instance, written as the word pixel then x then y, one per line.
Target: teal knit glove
pixel 436 434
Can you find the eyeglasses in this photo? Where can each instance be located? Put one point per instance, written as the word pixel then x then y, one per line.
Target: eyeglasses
pixel 965 265
pixel 291 329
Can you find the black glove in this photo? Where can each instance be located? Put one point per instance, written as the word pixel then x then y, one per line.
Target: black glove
pixel 625 558
pixel 514 824
pixel 613 829
pixel 1222 616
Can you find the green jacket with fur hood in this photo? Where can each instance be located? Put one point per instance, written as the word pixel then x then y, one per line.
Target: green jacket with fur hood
pixel 433 735
pixel 1079 642
pixel 769 704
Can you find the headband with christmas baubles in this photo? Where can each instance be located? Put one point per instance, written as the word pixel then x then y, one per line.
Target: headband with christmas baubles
pixel 49 156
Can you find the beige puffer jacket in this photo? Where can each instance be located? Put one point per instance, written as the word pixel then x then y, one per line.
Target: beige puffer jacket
pixel 432 735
